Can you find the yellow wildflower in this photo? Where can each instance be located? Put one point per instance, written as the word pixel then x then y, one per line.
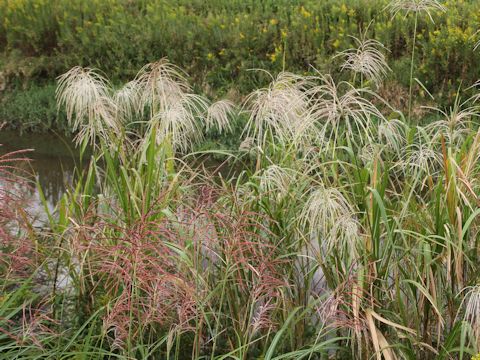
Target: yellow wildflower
pixel 305 12
pixel 273 21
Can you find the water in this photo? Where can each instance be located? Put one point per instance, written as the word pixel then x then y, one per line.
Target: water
pixel 53 160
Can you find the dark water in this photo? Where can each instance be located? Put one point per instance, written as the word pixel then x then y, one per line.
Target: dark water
pixel 53 160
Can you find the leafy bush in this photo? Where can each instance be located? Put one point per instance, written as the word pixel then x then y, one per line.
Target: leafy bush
pixel 33 109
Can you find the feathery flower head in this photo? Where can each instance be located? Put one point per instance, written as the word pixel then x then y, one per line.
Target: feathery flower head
pixel 277 109
pixel 127 100
pixel 366 59
pixel 415 6
pixel 421 158
pixel 89 106
pixel 324 209
pixel 392 134
pixel 343 107
pixel 219 115
pixel 179 122
pixel 276 180
pixel 455 123
pixel 160 85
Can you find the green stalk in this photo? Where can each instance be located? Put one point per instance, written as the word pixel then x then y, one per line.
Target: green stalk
pixel 411 69
pixel 217 324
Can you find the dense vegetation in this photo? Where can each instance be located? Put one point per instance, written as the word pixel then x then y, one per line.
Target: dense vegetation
pixel 351 230
pixel 217 41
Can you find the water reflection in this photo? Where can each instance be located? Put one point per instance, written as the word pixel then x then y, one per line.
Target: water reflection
pixel 52 165
pixel 53 174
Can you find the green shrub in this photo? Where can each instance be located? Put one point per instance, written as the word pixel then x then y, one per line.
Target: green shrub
pixel 33 109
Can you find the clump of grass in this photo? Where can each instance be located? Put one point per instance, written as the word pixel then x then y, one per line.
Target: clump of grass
pixel 354 235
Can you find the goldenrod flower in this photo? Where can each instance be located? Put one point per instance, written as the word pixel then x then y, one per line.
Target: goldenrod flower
pixel 304 12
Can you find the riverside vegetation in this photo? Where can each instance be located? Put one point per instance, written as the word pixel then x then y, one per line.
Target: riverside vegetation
pixel 218 41
pixel 352 231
